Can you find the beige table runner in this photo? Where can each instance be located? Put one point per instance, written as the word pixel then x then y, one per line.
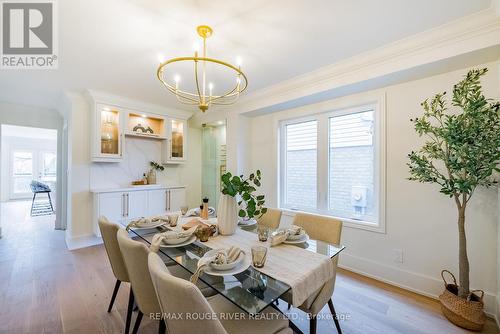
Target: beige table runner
pixel 303 270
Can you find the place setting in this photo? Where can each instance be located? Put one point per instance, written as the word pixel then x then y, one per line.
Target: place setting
pixel 146 223
pixel 222 262
pixel 294 235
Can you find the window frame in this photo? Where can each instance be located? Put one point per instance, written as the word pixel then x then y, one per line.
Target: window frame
pixel 323 162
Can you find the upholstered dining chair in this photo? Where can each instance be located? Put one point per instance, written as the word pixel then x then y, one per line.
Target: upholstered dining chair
pixel 329 230
pixel 271 218
pixel 135 256
pixel 177 296
pixel 108 232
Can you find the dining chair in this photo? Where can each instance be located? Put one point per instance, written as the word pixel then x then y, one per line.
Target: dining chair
pixel 135 256
pixel 329 230
pixel 180 297
pixel 108 232
pixel 271 218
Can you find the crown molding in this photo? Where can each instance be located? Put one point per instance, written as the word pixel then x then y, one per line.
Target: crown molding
pixel 465 35
pixel 125 102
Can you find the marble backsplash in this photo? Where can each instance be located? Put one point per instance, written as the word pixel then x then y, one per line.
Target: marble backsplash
pixel 137 154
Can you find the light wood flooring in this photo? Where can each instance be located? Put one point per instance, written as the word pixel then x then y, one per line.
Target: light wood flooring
pixel 44 288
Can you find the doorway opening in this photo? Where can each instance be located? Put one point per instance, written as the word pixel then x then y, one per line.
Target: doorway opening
pixel 29 172
pixel 213 159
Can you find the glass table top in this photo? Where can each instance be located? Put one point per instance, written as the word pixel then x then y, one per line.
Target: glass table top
pixel 250 290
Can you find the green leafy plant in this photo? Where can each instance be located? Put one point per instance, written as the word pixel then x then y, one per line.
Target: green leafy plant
pixel 251 205
pixel 156 166
pixel 462 151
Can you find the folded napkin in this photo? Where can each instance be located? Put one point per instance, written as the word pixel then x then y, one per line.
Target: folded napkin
pixel 222 256
pixel 145 221
pixel 196 212
pixel 158 238
pixel 280 236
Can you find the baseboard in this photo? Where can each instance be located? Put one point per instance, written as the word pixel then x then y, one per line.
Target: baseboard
pixel 422 284
pixel 83 241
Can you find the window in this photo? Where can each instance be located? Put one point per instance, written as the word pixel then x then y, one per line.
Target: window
pixel 22 171
pixel 300 165
pixel 330 165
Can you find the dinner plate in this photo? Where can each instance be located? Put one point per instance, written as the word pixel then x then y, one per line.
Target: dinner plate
pixel 174 242
pixel 227 266
pixel 302 239
pixel 245 223
pixel 185 243
pixel 242 266
pixel 149 226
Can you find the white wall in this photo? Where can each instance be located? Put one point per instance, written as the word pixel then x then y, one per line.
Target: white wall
pixel 86 175
pixel 419 220
pixel 9 144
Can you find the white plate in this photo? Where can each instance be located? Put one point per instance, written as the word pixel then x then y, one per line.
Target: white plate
pixel 226 267
pixel 178 241
pixel 296 236
pixel 149 226
pixel 242 266
pixel 302 239
pixel 185 243
pixel 245 223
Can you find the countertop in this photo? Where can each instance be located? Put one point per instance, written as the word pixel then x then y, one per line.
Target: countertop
pixel 135 188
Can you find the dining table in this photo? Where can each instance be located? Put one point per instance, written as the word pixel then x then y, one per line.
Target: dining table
pixel 254 289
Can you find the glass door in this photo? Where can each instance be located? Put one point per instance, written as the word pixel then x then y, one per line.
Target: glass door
pixel 177 144
pixel 109 132
pixel 23 165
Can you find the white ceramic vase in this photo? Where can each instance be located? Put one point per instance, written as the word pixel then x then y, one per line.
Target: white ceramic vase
pixel 227 214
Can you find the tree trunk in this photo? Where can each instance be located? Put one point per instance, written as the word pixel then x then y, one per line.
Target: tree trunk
pixel 463 261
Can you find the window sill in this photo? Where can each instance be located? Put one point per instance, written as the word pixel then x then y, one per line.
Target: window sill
pixel 351 223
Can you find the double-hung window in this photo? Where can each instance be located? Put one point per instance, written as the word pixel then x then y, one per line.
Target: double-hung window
pixel 331 164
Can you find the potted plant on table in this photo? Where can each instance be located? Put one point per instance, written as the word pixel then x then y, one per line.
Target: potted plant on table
pixel 152 171
pixel 462 153
pixel 238 199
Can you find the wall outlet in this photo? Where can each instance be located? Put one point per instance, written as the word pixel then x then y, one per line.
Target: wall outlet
pixel 398 255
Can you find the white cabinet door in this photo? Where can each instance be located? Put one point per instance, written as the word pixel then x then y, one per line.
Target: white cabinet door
pixel 137 204
pixel 157 202
pixel 111 205
pixel 177 198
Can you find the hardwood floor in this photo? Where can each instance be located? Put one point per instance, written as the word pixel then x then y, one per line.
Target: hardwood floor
pixel 44 288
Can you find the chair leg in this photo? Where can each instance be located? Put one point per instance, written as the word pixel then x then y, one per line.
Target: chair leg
pixel 32 203
pixel 50 202
pixel 312 324
pixel 137 322
pixel 129 310
pixel 113 296
pixel 162 328
pixel 335 319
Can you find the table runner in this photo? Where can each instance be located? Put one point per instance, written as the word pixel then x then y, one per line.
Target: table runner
pixel 303 270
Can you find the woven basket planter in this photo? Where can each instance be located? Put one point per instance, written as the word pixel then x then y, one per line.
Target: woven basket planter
pixel 466 313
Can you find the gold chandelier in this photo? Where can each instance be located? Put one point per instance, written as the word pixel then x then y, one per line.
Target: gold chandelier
pixel 204 95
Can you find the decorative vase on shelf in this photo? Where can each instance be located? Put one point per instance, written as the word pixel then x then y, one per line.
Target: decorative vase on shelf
pixel 227 214
pixel 152 177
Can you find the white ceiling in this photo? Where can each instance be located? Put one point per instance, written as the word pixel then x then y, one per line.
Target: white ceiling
pixel 113 45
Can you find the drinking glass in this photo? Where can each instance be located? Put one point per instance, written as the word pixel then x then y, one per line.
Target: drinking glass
pixel 259 254
pixel 184 210
pixel 263 233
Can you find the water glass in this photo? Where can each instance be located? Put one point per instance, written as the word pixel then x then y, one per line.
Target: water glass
pixel 259 254
pixel 263 233
pixel 184 210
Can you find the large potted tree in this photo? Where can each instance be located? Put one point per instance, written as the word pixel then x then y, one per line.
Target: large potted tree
pixel 462 152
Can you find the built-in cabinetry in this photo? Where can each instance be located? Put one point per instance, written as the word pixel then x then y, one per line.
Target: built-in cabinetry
pixel 112 124
pixel 127 204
